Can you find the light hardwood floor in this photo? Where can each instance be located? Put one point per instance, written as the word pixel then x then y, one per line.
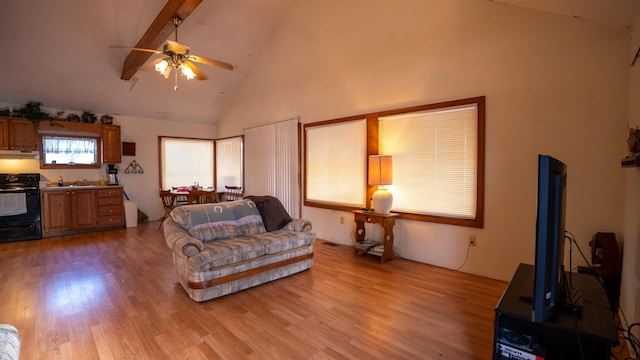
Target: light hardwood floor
pixel 114 295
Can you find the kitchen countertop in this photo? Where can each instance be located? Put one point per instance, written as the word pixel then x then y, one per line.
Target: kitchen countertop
pixel 68 187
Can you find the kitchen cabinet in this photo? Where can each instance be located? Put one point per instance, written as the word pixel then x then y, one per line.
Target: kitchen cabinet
pixel 55 211
pixel 110 207
pixel 111 153
pixel 17 134
pixel 68 210
pixel 83 209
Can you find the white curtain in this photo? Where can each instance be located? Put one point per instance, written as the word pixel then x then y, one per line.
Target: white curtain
pixel 272 163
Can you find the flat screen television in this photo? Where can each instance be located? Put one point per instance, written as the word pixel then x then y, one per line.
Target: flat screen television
pixel 548 284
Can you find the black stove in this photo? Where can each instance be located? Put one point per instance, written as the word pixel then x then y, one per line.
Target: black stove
pixel 19 207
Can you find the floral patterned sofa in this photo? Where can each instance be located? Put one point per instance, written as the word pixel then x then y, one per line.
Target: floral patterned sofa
pixel 9 342
pixel 221 248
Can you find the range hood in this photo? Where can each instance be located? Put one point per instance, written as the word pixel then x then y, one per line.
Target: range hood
pixel 19 154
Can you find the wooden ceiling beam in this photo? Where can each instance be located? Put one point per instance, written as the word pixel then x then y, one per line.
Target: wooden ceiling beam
pixel 159 31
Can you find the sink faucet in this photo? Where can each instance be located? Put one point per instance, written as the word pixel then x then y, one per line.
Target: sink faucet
pixel 80 182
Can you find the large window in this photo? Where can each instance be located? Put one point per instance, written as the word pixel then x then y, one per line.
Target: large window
pixel 336 153
pixel 185 162
pixel 434 160
pixel 72 151
pixel 438 161
pixel 229 162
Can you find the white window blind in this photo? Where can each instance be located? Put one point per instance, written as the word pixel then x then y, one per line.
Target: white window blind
pixel 272 163
pixel 434 161
pixel 184 162
pixel 336 163
pixel 228 162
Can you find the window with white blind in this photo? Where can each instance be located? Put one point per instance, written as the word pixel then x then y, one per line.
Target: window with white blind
pixel 336 155
pixel 438 161
pixel 434 160
pixel 229 162
pixel 185 162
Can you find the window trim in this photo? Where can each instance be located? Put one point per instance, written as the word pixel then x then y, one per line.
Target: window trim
pixel 160 159
pixel 329 205
pixel 373 149
pixel 96 165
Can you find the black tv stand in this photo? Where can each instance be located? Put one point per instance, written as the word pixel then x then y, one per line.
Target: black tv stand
pixel 571 306
pixel 557 338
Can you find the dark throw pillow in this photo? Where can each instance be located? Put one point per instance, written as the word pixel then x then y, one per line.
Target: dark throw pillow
pixel 274 215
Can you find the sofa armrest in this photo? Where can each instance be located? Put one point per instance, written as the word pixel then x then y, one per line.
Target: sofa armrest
pixel 179 240
pixel 300 225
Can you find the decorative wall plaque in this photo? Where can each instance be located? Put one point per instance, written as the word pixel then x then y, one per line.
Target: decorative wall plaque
pixel 128 148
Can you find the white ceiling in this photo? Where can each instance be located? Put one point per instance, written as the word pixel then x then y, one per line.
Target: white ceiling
pixel 57 52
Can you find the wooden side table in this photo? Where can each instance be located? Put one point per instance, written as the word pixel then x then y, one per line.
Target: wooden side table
pixel 387 221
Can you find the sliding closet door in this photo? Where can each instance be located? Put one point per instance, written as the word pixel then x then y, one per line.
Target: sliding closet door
pixel 272 163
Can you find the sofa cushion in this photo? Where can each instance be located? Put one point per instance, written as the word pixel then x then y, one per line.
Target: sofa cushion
pixel 227 251
pixel 274 215
pixel 216 221
pixel 243 248
pixel 284 240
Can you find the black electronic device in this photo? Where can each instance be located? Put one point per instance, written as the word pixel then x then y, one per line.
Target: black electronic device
pixel 548 269
pixel 112 175
pixel 551 290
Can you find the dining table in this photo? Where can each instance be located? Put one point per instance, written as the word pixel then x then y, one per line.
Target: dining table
pixel 190 196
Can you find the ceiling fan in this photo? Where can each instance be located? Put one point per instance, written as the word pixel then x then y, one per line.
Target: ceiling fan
pixel 178 58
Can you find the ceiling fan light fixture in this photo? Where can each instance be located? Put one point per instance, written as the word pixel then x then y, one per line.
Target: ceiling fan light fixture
pixel 163 68
pixel 187 72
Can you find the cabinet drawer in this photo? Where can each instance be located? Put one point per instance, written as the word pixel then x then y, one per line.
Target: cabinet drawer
pixel 110 220
pixel 110 192
pixel 111 200
pixel 110 210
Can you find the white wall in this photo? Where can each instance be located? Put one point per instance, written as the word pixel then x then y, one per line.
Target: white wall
pixel 554 85
pixel 141 188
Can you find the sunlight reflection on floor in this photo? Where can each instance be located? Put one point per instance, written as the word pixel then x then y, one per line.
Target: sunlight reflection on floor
pixel 75 291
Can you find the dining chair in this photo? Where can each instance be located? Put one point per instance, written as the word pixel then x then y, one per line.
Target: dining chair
pixel 233 192
pixel 198 197
pixel 169 202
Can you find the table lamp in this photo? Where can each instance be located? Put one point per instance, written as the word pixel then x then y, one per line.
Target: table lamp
pixel 380 174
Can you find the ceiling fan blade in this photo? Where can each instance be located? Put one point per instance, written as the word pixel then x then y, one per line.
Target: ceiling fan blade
pixel 135 49
pixel 176 47
pixel 199 74
pixel 203 60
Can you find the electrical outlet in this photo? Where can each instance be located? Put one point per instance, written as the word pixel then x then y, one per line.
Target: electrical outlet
pixel 472 240
pixel 341 219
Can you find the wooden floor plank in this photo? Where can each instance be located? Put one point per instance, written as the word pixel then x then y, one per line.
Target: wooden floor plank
pixel 114 294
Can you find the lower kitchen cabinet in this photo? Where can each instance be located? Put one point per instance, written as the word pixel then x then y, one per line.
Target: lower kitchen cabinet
pixel 68 211
pixel 110 207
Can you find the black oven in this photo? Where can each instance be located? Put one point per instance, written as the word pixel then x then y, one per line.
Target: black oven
pixel 19 207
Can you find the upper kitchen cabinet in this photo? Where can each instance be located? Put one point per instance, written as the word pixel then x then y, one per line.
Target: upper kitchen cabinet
pixel 111 144
pixel 17 134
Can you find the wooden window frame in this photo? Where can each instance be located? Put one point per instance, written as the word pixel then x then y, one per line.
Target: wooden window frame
pixel 160 158
pixel 96 165
pixel 372 146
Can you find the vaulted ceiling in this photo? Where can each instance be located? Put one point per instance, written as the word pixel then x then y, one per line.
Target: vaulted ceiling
pixel 57 52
